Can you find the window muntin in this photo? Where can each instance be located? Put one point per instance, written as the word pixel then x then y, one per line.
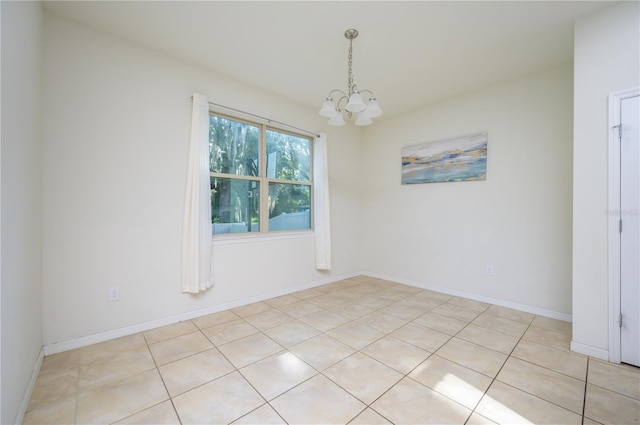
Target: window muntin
pixel 260 178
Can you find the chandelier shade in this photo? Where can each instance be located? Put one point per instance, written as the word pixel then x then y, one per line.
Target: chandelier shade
pixel 350 103
pixel 363 119
pixel 328 108
pixel 337 119
pixel 356 103
pixel 373 109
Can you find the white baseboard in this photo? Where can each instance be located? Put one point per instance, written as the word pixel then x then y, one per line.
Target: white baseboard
pixel 145 326
pixel 503 303
pixel 24 404
pixel 589 350
pixel 59 347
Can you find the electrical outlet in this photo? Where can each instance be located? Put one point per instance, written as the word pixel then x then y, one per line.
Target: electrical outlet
pixel 114 293
pixel 489 270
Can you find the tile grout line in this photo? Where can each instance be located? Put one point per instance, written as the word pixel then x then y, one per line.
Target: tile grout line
pixel 453 336
pixel 551 370
pixel 235 369
pixel 497 373
pixel 410 321
pixel 75 413
pixel 357 350
pixel 162 378
pixel 369 405
pixel 586 381
pixel 261 331
pixel 404 376
pixel 609 389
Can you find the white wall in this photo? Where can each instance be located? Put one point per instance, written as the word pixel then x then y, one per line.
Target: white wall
pixel 116 123
pixel 116 132
pixel 21 287
pixel 607 59
pixel 518 220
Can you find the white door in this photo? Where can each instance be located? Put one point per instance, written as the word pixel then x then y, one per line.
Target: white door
pixel 630 234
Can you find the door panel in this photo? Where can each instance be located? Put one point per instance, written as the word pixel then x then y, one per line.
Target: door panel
pixel 630 236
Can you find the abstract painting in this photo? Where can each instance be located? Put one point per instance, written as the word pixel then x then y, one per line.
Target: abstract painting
pixel 453 160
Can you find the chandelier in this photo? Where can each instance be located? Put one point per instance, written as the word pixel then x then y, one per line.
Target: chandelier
pixel 351 100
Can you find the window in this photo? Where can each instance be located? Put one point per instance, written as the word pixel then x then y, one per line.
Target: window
pixel 260 177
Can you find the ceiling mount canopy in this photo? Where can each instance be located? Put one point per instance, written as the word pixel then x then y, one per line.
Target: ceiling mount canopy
pixel 350 102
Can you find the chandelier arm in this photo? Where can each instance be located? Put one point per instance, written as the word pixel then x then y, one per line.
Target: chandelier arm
pixel 367 91
pixel 336 91
pixel 344 99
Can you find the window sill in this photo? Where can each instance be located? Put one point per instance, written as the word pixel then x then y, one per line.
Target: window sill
pixel 252 238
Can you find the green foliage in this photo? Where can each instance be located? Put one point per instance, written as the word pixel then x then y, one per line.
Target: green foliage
pixel 288 198
pixel 291 154
pixel 234 147
pixel 293 163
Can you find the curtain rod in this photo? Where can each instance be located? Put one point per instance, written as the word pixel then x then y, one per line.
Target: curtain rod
pixel 268 120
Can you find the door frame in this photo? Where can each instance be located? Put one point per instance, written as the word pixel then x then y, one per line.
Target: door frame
pixel 613 217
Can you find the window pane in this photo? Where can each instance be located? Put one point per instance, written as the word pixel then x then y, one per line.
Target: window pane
pixel 233 146
pixel 288 157
pixel 289 206
pixel 235 205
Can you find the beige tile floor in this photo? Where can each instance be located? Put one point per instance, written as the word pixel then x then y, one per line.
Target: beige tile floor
pixel 359 351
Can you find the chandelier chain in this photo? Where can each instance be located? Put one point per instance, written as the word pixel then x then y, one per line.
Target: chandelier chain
pixel 350 76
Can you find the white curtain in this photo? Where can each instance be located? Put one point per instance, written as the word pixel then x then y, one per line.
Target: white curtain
pixel 321 218
pixel 196 238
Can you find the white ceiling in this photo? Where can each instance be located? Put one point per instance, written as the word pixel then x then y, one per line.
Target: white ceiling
pixel 408 53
